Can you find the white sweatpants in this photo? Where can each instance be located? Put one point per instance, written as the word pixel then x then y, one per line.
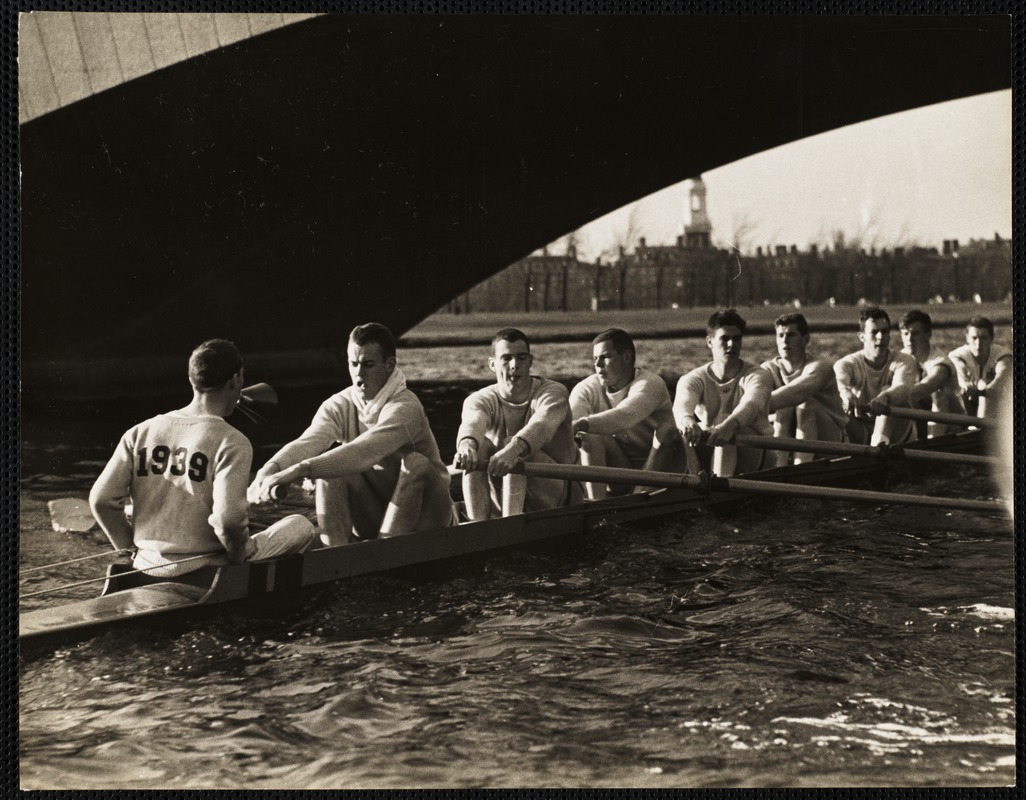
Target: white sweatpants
pixel 292 534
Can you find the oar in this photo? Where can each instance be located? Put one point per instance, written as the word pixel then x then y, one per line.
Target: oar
pixel 965 420
pixel 848 449
pixel 668 480
pixel 105 554
pixel 64 586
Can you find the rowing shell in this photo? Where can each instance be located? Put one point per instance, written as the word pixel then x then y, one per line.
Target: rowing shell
pixel 133 597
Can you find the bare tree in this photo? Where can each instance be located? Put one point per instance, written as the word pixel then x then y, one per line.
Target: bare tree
pixel 906 239
pixel 626 235
pixel 867 233
pixel 742 233
pixel 574 243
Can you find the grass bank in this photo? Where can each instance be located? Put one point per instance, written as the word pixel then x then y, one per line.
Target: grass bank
pixel 576 326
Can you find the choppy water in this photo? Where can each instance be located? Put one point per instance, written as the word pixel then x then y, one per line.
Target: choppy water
pixel 802 643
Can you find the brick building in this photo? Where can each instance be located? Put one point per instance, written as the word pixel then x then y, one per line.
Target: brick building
pixel 692 272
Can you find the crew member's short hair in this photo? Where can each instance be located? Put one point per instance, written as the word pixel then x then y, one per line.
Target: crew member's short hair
pixel 620 339
pixel 794 318
pixel 374 333
pixel 910 318
pixel 725 319
pixel 213 363
pixel 981 324
pixel 510 335
pixel 873 312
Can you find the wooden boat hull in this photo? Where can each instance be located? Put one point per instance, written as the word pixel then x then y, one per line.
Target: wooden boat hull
pixel 127 604
pixel 131 597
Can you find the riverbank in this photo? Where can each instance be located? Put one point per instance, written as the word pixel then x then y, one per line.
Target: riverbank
pixel 161 376
pixel 577 326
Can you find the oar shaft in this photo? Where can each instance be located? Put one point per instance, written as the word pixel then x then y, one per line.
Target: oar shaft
pixel 806 446
pixel 106 554
pixel 968 459
pixel 937 416
pixel 837 493
pixel 849 449
pixel 629 477
pixel 64 586
pixel 668 480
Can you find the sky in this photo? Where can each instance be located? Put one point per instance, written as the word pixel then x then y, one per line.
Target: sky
pixel 915 178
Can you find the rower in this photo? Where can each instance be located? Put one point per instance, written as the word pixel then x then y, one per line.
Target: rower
pixel 937 388
pixel 185 473
pixel 805 403
pixel 873 379
pixel 386 477
pixel 623 416
pixel 983 369
pixel 518 418
pixel 722 398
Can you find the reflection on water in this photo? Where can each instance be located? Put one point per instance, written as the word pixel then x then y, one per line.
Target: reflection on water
pixel 801 643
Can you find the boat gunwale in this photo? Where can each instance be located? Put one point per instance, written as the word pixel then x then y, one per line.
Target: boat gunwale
pixel 320 566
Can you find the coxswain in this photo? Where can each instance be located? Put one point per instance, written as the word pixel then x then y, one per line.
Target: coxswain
pixel 185 473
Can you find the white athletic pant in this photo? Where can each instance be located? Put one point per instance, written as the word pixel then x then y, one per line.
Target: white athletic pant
pixel 292 534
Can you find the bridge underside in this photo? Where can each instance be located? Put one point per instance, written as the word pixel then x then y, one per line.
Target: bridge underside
pixel 282 189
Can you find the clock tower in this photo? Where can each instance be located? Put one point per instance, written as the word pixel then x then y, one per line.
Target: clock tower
pixel 697 227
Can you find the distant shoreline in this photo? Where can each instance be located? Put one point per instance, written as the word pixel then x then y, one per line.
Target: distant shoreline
pixel 159 376
pixel 440 330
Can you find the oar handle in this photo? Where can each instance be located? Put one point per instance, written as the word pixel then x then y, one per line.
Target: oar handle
pixel 629 477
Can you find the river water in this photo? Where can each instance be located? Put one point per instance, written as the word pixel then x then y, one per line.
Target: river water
pixel 797 643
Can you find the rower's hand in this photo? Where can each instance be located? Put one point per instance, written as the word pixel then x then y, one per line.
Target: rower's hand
pixel 503 462
pixel 580 427
pixel 880 404
pixel 253 492
pixel 691 431
pixel 241 550
pixel 858 410
pixel 896 396
pixel 723 433
pixel 851 406
pixel 264 491
pixel 238 544
pixel 466 456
